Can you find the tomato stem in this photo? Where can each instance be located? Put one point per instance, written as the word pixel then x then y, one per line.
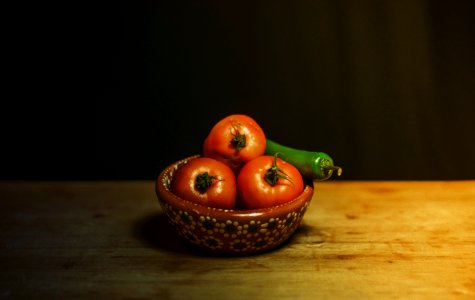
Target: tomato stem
pixel 239 140
pixel 274 173
pixel 203 181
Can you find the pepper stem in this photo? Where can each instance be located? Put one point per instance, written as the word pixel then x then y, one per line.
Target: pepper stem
pixel 338 170
pixel 274 173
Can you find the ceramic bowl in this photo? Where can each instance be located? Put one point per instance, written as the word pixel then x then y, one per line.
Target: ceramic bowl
pixel 234 232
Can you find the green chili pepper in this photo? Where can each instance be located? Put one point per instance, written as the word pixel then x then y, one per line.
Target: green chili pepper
pixel 314 165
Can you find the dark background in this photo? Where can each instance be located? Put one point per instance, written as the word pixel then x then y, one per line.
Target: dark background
pixel 120 90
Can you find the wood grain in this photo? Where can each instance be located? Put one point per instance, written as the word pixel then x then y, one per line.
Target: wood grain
pixel 359 240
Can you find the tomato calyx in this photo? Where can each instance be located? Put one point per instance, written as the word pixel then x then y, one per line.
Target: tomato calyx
pixel 274 173
pixel 239 140
pixel 203 181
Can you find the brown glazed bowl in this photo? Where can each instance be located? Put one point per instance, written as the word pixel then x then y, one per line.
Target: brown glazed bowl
pixel 230 232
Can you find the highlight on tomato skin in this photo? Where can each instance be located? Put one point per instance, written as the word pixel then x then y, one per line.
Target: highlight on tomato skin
pixel 207 182
pixel 235 140
pixel 267 181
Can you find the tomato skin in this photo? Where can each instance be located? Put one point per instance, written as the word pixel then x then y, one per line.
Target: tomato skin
pixel 218 143
pixel 221 193
pixel 255 192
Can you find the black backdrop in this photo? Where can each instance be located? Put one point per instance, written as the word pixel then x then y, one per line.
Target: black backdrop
pixel 387 88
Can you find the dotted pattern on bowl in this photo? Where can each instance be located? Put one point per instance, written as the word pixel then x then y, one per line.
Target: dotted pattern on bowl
pixel 233 236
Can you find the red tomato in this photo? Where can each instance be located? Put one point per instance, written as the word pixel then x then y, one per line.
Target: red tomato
pixel 207 182
pixel 235 140
pixel 268 181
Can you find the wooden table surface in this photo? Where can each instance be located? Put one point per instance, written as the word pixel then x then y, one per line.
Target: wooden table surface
pixel 358 240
